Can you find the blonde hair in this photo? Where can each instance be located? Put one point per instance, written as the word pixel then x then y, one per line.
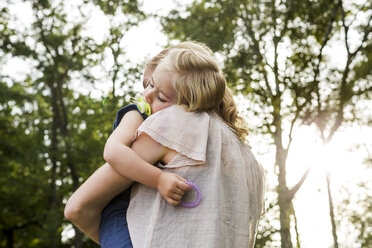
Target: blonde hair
pixel 200 84
pixel 193 45
pixel 196 46
pixel 228 111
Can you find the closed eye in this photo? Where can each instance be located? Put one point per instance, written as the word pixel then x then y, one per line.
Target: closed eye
pixel 160 99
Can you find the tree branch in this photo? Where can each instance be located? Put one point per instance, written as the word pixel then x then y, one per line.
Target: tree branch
pixel 295 188
pixel 251 34
pixel 291 128
pixel 367 30
pixel 346 28
pixel 344 97
pixel 325 40
pixel 364 91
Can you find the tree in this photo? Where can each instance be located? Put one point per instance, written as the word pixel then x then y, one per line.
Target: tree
pixel 22 172
pixel 65 128
pixel 22 176
pixel 350 84
pixel 273 53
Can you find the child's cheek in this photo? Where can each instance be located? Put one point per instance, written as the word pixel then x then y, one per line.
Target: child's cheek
pixel 160 107
pixel 155 108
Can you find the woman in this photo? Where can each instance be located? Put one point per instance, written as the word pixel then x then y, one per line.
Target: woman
pixel 200 139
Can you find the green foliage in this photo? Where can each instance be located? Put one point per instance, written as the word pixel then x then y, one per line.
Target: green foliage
pixel 363 68
pixel 52 134
pixel 125 6
pixel 356 215
pixel 23 177
pixel 211 22
pixel 268 228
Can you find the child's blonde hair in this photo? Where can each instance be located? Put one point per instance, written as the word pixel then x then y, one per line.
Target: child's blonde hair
pixel 200 84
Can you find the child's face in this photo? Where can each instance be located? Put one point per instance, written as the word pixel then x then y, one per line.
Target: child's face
pixel 159 92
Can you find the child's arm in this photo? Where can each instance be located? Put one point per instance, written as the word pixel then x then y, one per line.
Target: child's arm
pixel 137 164
pixel 86 204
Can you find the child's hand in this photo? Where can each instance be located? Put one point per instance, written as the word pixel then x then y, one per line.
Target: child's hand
pixel 172 187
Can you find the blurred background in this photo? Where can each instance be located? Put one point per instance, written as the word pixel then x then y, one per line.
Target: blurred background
pixel 301 72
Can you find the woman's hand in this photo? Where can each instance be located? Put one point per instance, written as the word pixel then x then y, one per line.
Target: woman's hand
pixel 172 187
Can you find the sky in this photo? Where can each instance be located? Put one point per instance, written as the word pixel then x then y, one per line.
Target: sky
pixel 342 157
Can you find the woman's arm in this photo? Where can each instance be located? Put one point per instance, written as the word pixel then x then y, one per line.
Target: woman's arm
pixel 137 165
pixel 84 207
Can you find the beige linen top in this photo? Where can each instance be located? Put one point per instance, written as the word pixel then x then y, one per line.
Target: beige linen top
pixel 224 169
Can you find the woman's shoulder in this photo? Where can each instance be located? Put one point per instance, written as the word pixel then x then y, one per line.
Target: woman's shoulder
pixel 175 120
pixel 179 110
pixel 176 114
pixel 183 131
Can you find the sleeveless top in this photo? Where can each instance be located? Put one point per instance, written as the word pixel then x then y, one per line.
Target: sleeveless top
pixel 224 169
pixel 113 229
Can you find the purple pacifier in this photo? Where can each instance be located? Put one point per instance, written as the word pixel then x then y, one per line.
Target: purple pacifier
pixel 197 200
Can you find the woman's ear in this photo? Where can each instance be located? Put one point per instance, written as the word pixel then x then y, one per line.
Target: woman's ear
pixel 149 70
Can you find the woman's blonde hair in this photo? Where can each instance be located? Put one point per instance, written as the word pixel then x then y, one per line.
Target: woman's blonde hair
pixel 196 46
pixel 200 84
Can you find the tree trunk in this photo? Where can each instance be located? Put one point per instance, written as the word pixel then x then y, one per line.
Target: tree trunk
pixel 283 192
pixel 53 204
pixel 9 235
pixel 78 241
pixel 285 222
pixel 63 125
pixel 331 213
pixel 285 217
pixel 298 245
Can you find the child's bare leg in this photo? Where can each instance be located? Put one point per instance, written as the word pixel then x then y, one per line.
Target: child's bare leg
pixel 85 205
